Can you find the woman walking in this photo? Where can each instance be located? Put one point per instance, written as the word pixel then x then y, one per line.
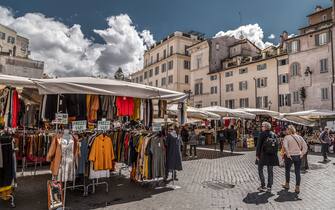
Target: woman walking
pixel 295 148
pixel 193 142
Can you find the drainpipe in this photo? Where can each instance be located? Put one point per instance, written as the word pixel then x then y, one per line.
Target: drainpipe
pixel 220 89
pixel 333 78
pixel 255 92
pixel 277 85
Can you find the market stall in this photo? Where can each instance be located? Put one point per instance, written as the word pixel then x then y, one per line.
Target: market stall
pixel 88 116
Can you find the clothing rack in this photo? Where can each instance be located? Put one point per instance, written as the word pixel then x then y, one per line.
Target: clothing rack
pixel 7 191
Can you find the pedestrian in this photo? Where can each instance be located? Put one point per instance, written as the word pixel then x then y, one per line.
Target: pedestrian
pixel 295 148
pixel 232 136
pixel 185 138
pixel 255 134
pixel 193 142
pixel 222 136
pixel 304 160
pixel 267 155
pixel 325 142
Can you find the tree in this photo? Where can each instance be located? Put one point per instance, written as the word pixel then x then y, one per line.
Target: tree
pixel 119 74
pixel 303 96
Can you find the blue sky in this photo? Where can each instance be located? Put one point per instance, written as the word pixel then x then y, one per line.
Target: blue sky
pixel 96 37
pixel 163 17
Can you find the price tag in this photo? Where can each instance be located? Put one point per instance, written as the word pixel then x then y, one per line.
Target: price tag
pixel 156 127
pixel 79 125
pixel 61 118
pixel 104 125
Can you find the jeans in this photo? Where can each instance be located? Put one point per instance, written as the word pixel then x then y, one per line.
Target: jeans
pixel 325 150
pixel 221 145
pixel 194 147
pixel 232 145
pixel 261 175
pixel 296 160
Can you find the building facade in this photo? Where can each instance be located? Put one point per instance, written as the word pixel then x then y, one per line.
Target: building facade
pixel 167 63
pixel 296 75
pixel 14 55
pixel 312 63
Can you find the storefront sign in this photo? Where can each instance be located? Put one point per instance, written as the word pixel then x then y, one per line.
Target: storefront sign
pixel 79 125
pixel 104 125
pixel 61 118
pixel 156 127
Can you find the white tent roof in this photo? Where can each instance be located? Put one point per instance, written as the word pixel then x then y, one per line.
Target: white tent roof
pixel 15 81
pixel 297 120
pixel 312 114
pixel 194 112
pixel 226 112
pixel 260 111
pixel 90 85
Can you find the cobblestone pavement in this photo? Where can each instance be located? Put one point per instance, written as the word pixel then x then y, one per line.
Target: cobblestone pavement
pixel 221 182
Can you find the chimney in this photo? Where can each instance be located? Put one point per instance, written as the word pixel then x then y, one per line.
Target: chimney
pixel 283 37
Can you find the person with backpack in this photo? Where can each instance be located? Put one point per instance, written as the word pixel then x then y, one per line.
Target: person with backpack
pixel 295 148
pixel 325 142
pixel 266 155
pixel 221 137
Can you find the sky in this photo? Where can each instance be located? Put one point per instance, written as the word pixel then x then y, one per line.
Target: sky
pixel 96 37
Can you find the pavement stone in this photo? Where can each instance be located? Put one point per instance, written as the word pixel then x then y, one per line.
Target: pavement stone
pixel 213 181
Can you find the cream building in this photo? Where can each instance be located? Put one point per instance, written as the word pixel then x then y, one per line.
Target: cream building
pixel 14 55
pixel 311 56
pixel 167 63
pixel 235 73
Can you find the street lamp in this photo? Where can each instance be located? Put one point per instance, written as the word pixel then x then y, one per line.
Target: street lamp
pixel 308 71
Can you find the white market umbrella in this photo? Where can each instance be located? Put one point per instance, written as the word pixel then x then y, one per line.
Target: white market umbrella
pixel 260 111
pixel 312 114
pixel 226 112
pixel 194 112
pixel 16 81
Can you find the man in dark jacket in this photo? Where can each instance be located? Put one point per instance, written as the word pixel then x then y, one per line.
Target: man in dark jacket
pixel 325 142
pixel 185 138
pixel 221 137
pixel 232 137
pixel 267 155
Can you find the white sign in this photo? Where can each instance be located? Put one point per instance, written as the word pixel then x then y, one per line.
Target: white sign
pixel 62 118
pixel 79 125
pixel 156 127
pixel 104 125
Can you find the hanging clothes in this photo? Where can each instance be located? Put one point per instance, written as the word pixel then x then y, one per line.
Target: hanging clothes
pixel 15 109
pixel 107 107
pixel 137 109
pixel 102 154
pixel 92 105
pixel 8 166
pixel 50 107
pixel 63 154
pixel 158 152
pixel 174 160
pixel 125 106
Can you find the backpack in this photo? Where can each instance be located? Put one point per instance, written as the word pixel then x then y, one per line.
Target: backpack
pixel 270 145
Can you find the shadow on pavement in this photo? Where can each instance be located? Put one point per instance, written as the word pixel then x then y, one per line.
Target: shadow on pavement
pixel 32 191
pixel 258 198
pixel 286 196
pixel 210 154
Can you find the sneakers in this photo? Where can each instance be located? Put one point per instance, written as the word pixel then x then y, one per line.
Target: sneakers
pixel 268 189
pixel 262 189
pixel 195 156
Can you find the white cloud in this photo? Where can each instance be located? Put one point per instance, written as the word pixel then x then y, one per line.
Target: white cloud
pixel 272 36
pixel 66 51
pixel 291 35
pixel 253 32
